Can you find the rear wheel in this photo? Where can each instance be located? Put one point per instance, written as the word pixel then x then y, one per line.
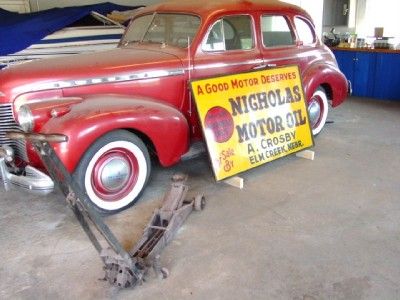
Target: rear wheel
pixel 318 110
pixel 114 171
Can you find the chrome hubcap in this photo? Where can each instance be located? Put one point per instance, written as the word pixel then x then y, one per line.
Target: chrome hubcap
pixel 314 111
pixel 115 174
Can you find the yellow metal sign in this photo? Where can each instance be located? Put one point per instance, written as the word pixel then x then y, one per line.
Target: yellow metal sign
pixel 252 118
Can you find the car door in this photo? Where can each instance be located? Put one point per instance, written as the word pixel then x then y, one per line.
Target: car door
pixel 279 45
pixel 228 47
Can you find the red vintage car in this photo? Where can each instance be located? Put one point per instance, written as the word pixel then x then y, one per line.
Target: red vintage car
pixel 121 107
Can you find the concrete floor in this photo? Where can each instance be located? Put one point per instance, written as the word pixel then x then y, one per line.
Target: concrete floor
pixel 322 229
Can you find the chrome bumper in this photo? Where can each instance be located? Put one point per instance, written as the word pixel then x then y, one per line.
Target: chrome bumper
pixel 32 180
pixel 349 88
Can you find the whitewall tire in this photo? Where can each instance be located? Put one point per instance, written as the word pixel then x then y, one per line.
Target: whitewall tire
pixel 318 110
pixel 114 171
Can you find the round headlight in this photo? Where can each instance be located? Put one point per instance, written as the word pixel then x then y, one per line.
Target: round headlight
pixel 25 118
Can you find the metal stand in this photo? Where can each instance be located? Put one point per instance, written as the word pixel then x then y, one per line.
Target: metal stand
pixel 122 268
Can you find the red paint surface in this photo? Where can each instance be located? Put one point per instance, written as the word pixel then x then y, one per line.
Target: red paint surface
pixel 160 109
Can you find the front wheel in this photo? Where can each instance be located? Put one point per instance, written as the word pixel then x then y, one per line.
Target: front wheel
pixel 114 171
pixel 318 110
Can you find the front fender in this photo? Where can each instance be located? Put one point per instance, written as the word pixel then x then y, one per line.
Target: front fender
pixel 323 75
pixel 95 116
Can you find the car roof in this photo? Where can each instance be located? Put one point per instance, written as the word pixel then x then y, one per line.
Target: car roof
pixel 208 8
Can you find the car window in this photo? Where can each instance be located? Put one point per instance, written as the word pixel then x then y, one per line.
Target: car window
pixel 137 28
pixel 230 33
pixel 276 31
pixel 171 29
pixel 304 31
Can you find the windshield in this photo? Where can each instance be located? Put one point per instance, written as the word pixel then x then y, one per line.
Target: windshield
pixel 170 29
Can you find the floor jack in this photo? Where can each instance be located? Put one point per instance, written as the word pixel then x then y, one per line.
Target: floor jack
pixel 122 268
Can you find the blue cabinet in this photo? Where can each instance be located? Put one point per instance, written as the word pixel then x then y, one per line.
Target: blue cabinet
pixel 345 60
pixel 387 76
pixel 372 74
pixel 359 68
pixel 364 73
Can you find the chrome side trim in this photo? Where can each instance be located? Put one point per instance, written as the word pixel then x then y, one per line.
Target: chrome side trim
pixel 107 79
pixel 221 65
pixel 21 101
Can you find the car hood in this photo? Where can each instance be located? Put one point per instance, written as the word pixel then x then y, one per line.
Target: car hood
pixel 114 65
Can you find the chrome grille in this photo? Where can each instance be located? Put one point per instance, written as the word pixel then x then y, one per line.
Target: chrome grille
pixel 7 123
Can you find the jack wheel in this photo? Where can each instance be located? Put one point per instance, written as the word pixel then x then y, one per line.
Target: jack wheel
pixel 199 202
pixel 164 273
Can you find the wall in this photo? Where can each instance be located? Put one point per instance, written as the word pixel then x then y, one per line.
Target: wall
pixel 378 13
pixel 365 15
pixel 314 8
pixel 21 6
pixel 356 6
pixel 46 4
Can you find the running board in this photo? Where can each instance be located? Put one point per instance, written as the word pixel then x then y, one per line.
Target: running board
pixel 195 150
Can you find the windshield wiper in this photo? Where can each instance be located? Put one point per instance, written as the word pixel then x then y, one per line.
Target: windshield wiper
pixel 126 43
pixel 154 42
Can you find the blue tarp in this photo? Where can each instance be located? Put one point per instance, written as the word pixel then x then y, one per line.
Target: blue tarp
pixel 19 31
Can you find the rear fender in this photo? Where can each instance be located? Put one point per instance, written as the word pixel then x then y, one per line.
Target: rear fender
pixel 329 77
pixel 162 124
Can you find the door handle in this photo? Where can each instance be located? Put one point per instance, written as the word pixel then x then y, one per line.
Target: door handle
pixel 264 66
